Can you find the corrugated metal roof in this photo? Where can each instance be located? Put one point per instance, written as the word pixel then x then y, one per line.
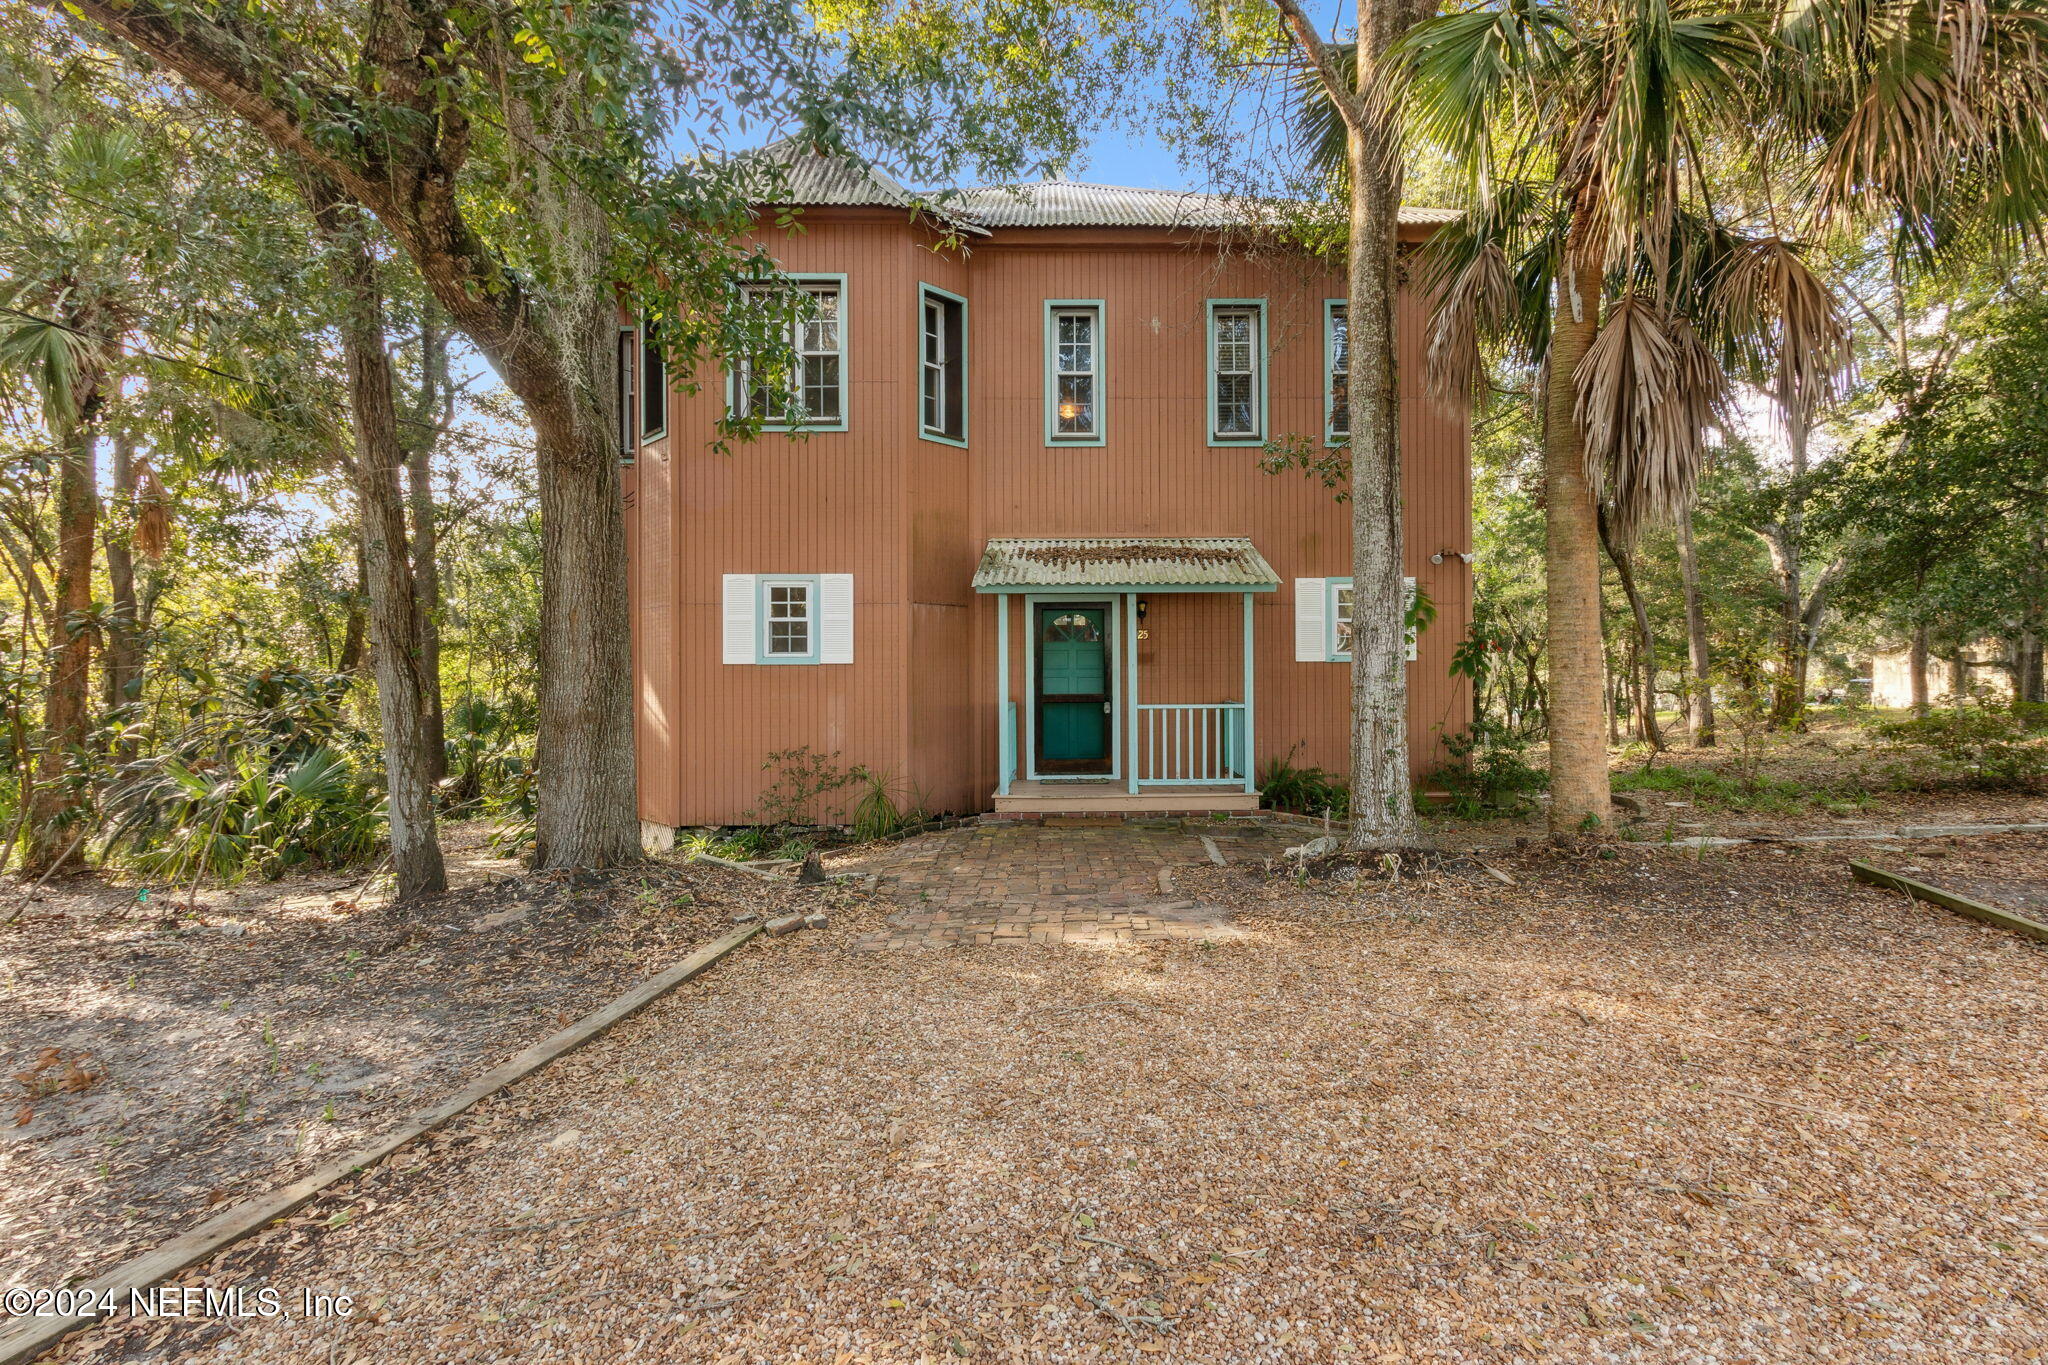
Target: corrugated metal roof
pixel 807 176
pixel 1219 562
pixel 1073 203
pixel 804 175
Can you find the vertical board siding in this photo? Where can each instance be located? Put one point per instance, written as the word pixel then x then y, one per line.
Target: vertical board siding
pixel 909 517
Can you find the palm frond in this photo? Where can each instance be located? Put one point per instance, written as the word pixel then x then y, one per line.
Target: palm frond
pixel 1648 393
pixel 1770 304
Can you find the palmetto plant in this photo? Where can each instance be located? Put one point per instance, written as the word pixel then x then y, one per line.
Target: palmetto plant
pixel 265 778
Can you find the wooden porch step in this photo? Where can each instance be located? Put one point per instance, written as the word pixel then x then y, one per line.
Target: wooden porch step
pixel 1081 799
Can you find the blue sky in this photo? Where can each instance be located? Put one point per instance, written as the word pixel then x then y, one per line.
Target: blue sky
pixel 1133 157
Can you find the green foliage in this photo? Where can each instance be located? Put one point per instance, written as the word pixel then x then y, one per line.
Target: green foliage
pixel 1988 747
pixel 1306 791
pixel 1489 774
pixel 267 777
pixel 1729 788
pixel 802 777
pixel 880 813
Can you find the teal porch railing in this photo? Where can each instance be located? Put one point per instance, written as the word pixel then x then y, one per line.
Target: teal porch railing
pixel 1009 748
pixel 1191 745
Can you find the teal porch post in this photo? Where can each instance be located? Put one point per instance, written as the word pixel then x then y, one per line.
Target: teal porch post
pixel 1250 753
pixel 1131 683
pixel 1006 735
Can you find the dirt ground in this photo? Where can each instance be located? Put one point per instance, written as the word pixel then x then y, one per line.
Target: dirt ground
pixel 1723 1105
pixel 1831 779
pixel 223 1051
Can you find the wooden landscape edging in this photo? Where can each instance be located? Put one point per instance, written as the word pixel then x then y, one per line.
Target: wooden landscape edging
pixel 1934 895
pixel 23 1339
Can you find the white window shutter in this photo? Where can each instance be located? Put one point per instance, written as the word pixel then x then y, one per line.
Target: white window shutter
pixel 739 618
pixel 1311 630
pixel 835 616
pixel 1408 605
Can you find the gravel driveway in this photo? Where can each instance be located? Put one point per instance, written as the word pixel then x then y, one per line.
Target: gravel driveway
pixel 1662 1108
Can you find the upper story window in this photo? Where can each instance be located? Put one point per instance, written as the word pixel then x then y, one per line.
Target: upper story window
pixel 812 391
pixel 653 383
pixel 1073 378
pixel 1336 373
pixel 628 357
pixel 942 364
pixel 1237 372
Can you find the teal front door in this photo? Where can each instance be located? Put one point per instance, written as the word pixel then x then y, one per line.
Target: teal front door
pixel 1073 689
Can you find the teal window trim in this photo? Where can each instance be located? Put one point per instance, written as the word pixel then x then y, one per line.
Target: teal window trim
pixel 966 372
pixel 654 387
pixel 1330 587
pixel 627 360
pixel 845 374
pixel 1259 372
pixel 1331 436
pixel 1100 436
pixel 809 581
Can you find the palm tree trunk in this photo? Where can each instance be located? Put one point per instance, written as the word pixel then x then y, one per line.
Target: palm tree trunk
pixel 1702 692
pixel 54 816
pixel 394 622
pixel 1382 800
pixel 1579 792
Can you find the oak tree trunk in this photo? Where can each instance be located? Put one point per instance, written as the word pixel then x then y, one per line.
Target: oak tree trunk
pixel 1916 666
pixel 1580 797
pixel 1382 799
pixel 437 396
pixel 1644 672
pixel 121 660
pixel 1701 658
pixel 1788 554
pixel 394 621
pixel 547 327
pixel 355 649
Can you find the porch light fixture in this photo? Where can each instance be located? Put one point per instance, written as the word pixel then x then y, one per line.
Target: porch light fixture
pixel 1466 556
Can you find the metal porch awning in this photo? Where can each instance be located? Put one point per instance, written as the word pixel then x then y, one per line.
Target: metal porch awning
pixel 1125 564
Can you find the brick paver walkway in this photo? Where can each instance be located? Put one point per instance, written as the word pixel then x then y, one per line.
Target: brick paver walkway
pixel 1024 883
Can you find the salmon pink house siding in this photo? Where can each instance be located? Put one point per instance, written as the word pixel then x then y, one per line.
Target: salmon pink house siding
pixel 1017 562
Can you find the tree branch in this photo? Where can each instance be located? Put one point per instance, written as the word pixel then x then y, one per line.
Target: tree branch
pixel 1328 69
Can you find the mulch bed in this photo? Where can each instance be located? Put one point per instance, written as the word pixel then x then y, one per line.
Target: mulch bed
pixel 2010 871
pixel 1659 1106
pixel 154 1065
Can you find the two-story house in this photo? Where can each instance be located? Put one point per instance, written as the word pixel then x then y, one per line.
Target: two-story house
pixel 1021 555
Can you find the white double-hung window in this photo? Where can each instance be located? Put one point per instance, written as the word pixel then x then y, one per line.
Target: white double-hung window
pixel 1323 614
pixel 1074 412
pixel 942 365
pixel 788 618
pixel 809 391
pixel 1336 372
pixel 1237 371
